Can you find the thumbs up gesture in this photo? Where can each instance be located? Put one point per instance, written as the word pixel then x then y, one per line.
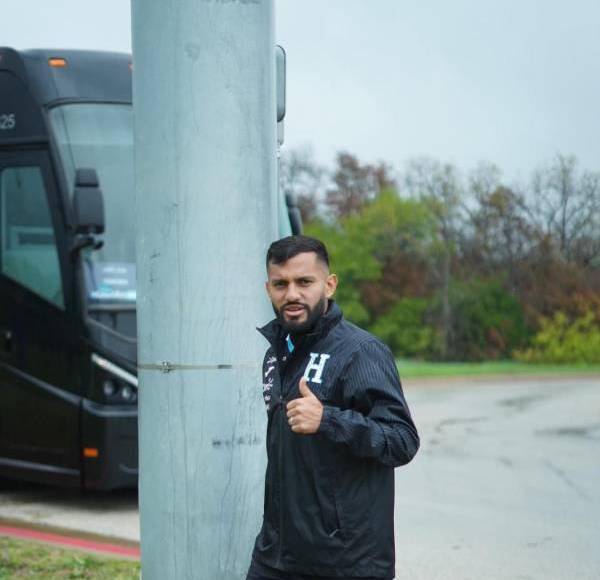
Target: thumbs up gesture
pixel 304 414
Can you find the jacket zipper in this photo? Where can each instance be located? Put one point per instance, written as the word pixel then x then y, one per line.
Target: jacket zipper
pixel 280 469
pixel 281 371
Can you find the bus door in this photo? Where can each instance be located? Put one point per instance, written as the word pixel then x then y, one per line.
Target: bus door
pixel 39 404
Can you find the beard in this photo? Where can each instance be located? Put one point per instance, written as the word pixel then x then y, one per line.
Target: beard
pixel 312 316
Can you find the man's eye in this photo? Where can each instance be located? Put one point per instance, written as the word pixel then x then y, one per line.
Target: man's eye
pixel 305 282
pixel 279 284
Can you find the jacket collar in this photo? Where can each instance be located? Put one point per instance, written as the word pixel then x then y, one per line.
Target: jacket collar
pixel 274 332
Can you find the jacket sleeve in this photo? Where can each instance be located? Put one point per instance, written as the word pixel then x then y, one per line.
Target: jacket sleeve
pixel 375 421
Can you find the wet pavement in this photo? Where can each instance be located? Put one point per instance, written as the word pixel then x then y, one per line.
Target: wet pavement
pixel 112 515
pixel 506 484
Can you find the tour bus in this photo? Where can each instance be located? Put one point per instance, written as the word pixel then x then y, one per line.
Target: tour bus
pixel 68 379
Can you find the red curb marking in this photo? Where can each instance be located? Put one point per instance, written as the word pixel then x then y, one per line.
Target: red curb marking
pixel 69 541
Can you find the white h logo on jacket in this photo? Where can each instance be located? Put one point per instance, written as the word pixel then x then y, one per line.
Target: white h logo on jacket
pixel 316 364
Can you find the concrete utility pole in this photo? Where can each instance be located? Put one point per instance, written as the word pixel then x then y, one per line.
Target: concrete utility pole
pixel 205 138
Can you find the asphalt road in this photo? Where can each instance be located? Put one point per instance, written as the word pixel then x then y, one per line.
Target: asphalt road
pixel 506 485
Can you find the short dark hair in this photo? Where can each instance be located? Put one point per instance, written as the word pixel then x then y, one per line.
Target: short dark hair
pixel 285 248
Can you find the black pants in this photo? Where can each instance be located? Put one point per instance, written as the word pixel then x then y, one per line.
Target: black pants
pixel 261 572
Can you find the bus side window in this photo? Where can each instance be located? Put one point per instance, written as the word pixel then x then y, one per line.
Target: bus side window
pixel 28 252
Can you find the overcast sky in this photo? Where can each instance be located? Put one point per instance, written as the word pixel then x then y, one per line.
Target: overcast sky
pixel 512 82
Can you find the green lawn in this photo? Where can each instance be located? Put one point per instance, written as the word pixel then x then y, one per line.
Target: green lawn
pixel 21 559
pixel 412 368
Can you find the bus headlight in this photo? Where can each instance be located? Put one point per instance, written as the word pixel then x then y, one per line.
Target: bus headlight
pixel 109 388
pixel 128 394
pixel 111 383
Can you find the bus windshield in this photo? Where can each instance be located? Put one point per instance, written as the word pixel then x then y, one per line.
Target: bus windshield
pixel 100 136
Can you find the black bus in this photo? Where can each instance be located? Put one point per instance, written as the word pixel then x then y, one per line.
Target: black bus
pixel 68 379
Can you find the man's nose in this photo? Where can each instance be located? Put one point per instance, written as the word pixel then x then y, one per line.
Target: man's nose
pixel 293 293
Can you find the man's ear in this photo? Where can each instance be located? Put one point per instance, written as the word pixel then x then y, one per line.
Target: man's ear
pixel 330 285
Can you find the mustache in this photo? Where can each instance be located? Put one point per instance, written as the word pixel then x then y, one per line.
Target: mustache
pixel 294 304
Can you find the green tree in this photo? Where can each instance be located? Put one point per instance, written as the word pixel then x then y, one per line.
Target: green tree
pixel 405 330
pixel 439 187
pixel 360 245
pixel 487 323
pixel 352 259
pixel 561 340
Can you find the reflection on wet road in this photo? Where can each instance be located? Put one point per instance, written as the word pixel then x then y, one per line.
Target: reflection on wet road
pixel 506 484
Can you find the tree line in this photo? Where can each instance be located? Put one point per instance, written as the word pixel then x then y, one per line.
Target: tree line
pixel 446 266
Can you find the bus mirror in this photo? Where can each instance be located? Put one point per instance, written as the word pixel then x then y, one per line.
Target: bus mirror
pixel 88 205
pixel 280 81
pixel 294 214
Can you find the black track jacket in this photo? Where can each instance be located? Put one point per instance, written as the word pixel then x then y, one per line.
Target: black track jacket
pixel 329 497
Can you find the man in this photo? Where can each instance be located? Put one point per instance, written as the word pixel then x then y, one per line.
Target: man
pixel 338 424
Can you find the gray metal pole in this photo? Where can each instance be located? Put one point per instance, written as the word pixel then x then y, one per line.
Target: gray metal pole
pixel 205 139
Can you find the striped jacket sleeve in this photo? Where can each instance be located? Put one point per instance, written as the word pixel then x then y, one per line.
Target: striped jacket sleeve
pixel 374 420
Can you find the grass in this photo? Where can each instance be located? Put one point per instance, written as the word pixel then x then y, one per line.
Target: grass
pixel 412 368
pixel 22 559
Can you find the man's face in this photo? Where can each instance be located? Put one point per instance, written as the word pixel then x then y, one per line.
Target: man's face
pixel 299 290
